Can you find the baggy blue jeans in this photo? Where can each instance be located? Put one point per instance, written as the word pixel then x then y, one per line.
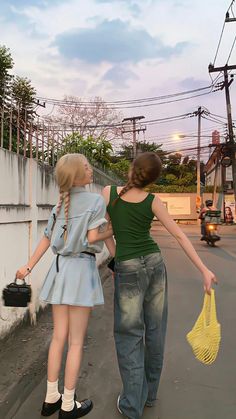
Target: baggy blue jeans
pixel 140 319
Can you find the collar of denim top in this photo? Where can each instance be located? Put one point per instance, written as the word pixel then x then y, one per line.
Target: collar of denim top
pixel 76 189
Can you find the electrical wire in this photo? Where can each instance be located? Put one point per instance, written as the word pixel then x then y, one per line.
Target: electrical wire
pixel 212 119
pixel 231 50
pixel 218 46
pixel 105 106
pixel 121 124
pixel 123 102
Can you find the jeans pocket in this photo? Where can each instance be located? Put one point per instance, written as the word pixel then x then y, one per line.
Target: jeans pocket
pixel 159 275
pixel 128 284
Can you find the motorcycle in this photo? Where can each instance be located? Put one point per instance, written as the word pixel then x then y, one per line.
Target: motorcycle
pixel 211 222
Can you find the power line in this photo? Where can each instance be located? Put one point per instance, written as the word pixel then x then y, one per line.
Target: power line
pixel 231 50
pixel 218 46
pixel 119 124
pixel 212 119
pixel 105 106
pixel 123 102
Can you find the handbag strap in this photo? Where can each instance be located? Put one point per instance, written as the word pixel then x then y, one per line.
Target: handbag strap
pixel 209 308
pixel 20 280
pixel 213 307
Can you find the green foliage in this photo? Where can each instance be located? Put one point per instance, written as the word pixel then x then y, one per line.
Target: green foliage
pixel 171 188
pixel 170 179
pixel 179 173
pixel 6 64
pixel 121 168
pixel 142 146
pixel 23 94
pixel 98 150
pixel 210 189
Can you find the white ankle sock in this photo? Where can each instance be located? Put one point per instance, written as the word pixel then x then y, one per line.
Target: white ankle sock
pixel 68 400
pixel 53 394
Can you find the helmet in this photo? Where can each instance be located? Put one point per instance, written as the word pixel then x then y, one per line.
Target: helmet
pixel 209 203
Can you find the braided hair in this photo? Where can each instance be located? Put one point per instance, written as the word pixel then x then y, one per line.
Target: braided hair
pixel 68 168
pixel 145 169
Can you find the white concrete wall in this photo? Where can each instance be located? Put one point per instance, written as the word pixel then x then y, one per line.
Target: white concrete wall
pixel 27 193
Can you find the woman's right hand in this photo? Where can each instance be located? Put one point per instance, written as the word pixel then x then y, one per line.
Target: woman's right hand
pixel 22 272
pixel 209 279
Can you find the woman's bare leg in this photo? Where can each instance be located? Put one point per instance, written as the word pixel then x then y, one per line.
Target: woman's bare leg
pixel 78 322
pixel 59 338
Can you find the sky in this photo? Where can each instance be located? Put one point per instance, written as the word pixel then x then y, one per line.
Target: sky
pixel 124 49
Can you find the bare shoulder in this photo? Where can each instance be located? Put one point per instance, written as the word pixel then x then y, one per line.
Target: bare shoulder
pixel 106 189
pixel 156 199
pixel 106 193
pixel 119 189
pixel 157 203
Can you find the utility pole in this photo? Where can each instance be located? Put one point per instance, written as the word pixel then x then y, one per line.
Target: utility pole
pixel 199 114
pixel 134 131
pixel 228 18
pixel 230 143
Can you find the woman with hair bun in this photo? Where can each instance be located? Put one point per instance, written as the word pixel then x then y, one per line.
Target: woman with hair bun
pixel 75 230
pixel 140 301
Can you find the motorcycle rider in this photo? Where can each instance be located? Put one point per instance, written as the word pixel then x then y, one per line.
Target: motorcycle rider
pixel 208 207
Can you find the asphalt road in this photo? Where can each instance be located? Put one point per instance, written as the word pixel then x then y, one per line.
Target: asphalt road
pixel 188 390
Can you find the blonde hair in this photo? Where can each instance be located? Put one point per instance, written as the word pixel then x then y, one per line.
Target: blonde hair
pixel 68 168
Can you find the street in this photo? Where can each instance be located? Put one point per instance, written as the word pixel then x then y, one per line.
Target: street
pixel 188 389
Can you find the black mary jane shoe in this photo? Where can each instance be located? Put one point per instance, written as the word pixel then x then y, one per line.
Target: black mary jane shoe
pixel 49 408
pixel 77 412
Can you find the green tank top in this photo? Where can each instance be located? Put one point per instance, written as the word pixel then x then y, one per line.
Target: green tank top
pixel 131 224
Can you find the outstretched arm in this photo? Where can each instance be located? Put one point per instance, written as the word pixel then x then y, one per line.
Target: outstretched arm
pixel 36 256
pixel 161 213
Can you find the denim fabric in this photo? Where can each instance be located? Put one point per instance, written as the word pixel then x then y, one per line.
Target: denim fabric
pixel 86 211
pixel 140 319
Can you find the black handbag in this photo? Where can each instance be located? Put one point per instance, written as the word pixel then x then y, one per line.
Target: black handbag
pixel 16 295
pixel 111 265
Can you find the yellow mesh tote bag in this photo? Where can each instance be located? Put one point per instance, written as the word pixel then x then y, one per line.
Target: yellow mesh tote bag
pixel 205 335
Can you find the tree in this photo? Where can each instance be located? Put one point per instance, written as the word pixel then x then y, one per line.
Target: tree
pixel 24 96
pixel 142 146
pixel 98 151
pixel 88 119
pixel 20 114
pixel 6 64
pixel 179 171
pixel 121 168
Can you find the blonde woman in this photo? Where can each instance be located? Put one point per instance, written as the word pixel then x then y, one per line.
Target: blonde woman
pixel 72 284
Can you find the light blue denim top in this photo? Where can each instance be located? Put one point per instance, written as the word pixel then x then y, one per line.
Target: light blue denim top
pixel 87 211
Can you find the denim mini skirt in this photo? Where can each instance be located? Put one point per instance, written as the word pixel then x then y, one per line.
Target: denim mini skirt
pixel 73 280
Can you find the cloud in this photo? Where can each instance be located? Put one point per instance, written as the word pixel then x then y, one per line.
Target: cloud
pixel 192 83
pixel 41 3
pixel 113 41
pixel 119 75
pixel 133 6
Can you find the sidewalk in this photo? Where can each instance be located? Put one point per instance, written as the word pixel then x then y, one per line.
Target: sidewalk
pixel 23 357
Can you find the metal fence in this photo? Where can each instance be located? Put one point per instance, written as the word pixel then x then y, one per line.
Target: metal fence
pixel 45 144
